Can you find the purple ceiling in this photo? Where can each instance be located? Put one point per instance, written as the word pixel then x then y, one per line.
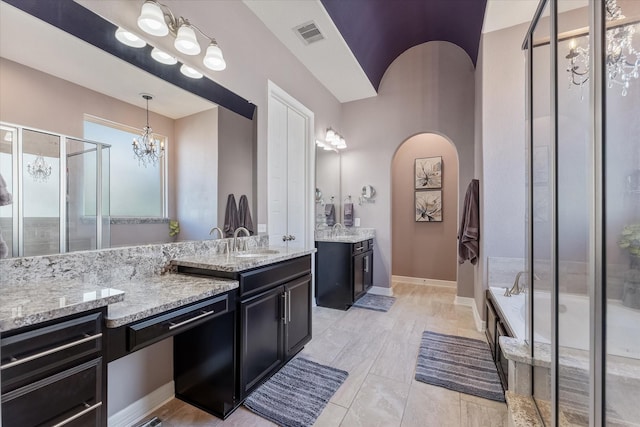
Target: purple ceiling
pixel 378 31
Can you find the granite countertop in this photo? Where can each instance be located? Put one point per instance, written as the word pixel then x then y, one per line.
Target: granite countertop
pixel 153 295
pixel 241 261
pixel 39 301
pixel 343 239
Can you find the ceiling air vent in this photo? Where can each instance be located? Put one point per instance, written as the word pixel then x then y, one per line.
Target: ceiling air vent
pixel 309 32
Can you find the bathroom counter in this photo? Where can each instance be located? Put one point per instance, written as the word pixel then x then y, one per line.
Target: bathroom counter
pixel 148 296
pixel 39 301
pixel 355 235
pixel 242 260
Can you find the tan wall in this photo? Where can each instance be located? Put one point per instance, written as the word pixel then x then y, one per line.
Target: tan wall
pixel 424 249
pixel 430 88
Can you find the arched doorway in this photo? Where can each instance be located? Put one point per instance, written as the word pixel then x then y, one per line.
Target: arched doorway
pixel 424 244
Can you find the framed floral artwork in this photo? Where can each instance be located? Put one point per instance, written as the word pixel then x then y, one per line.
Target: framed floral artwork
pixel 428 173
pixel 428 206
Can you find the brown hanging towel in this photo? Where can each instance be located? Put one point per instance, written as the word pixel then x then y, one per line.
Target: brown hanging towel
pixel 469 233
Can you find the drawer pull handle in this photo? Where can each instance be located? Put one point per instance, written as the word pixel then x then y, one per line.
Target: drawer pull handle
pixel 193 319
pixel 51 351
pixel 359 248
pixel 79 414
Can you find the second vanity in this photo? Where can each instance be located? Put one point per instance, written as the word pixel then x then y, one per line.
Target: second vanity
pixel 223 312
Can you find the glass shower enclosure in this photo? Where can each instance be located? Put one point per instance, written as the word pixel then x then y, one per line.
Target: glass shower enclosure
pixel 583 234
pixel 60 192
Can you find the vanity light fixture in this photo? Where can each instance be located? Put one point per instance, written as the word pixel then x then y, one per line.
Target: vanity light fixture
pixel 158 20
pixel 325 146
pixel 335 139
pixel 147 149
pixel 190 72
pixel 128 38
pixel 622 59
pixel 39 169
pixel 163 57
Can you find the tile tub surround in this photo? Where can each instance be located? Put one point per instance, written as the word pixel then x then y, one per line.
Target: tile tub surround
pixel 232 263
pixel 345 235
pixel 37 302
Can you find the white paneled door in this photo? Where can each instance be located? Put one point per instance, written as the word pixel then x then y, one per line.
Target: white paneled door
pixel 290 171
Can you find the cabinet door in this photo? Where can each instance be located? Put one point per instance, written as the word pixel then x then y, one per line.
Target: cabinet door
pixel 261 343
pixel 298 315
pixel 358 276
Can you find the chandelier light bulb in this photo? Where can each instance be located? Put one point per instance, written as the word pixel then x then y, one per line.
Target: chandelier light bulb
pixel 213 58
pixel 186 41
pixel 163 57
pixel 151 19
pixel 128 38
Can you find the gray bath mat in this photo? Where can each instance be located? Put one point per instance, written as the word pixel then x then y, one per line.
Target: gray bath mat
pixel 459 364
pixel 375 302
pixel 296 395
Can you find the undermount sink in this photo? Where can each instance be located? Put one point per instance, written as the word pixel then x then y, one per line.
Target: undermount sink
pixel 256 253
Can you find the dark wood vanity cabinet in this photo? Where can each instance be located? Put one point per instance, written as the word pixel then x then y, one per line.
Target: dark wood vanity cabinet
pixel 497 327
pixel 54 373
pixel 344 272
pixel 275 325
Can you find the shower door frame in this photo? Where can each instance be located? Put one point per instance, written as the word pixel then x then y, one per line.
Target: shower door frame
pixel 597 230
pixel 17 174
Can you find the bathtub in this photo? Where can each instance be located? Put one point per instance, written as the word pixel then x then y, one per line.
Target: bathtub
pixel 623 323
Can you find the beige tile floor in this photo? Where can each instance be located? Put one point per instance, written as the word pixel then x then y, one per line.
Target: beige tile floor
pixel 379 350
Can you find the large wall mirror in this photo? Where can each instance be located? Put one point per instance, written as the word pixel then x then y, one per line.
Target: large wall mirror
pixel 52 85
pixel 328 195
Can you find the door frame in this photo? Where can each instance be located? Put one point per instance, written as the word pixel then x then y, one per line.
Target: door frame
pixel 277 93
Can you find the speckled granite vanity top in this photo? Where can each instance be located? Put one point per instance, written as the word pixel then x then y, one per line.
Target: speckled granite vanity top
pixel 149 296
pixel 39 301
pixel 354 235
pixel 241 261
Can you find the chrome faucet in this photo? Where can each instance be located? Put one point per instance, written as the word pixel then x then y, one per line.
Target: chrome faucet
pixel 220 235
pixel 336 225
pixel 235 237
pixel 515 289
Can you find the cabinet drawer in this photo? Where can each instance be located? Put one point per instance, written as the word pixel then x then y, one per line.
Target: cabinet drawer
pixel 262 279
pixel 157 328
pixel 70 398
pixel 32 355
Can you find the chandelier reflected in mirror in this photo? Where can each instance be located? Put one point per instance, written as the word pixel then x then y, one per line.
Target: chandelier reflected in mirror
pixel 39 169
pixel 146 148
pixel 622 59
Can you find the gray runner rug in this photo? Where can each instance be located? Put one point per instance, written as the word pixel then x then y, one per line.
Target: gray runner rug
pixel 296 395
pixel 459 364
pixel 375 302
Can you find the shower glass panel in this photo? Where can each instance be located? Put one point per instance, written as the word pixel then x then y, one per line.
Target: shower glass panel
pixel 82 195
pixel 8 140
pixel 105 156
pixel 575 182
pixel 542 184
pixel 40 193
pixel 622 230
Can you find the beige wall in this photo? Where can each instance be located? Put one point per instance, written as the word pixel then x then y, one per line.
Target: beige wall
pixel 236 174
pixel 430 88
pixel 424 249
pixel 196 174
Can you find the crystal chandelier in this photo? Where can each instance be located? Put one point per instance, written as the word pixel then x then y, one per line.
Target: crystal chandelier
pixel 622 60
pixel 147 149
pixel 39 170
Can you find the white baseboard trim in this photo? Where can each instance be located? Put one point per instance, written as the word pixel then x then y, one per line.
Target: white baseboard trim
pixel 142 407
pixel 471 302
pixel 379 290
pixel 421 281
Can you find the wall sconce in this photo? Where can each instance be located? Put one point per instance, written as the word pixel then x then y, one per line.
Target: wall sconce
pixel 335 139
pixel 158 20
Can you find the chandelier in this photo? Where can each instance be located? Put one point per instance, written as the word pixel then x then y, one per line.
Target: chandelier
pixel 622 60
pixel 39 170
pixel 147 149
